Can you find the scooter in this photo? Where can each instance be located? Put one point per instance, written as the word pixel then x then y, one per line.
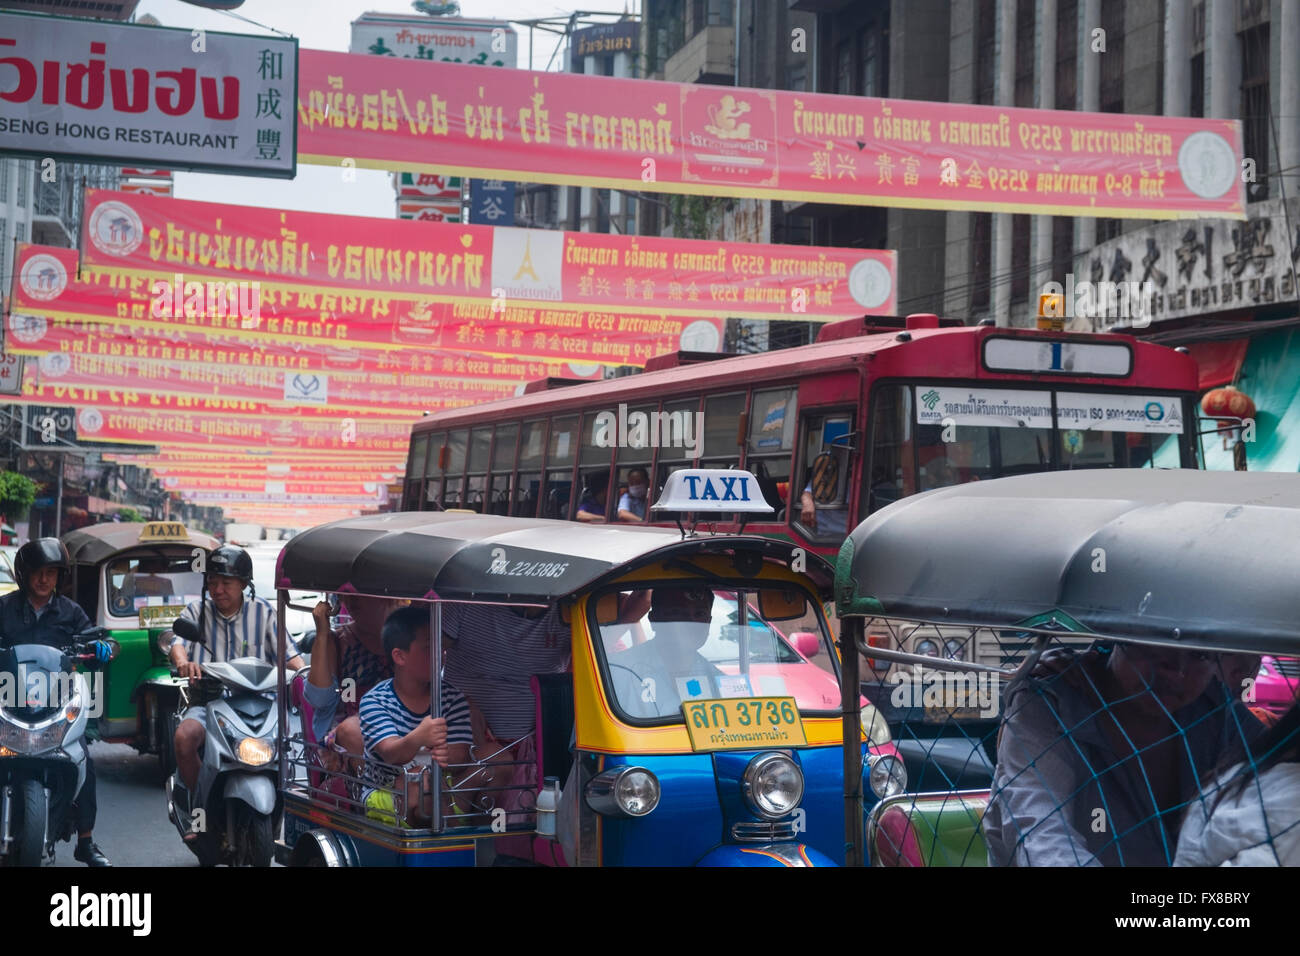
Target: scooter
pixel 44 705
pixel 235 808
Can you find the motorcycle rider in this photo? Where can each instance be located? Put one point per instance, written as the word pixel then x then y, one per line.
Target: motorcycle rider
pixel 37 614
pixel 231 628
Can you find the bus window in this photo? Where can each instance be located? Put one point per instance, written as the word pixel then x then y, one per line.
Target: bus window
pixel 670 458
pixel 503 465
pixel 771 442
pixel 528 484
pixel 633 494
pixel 721 426
pixel 480 447
pixel 889 476
pixel 453 494
pixel 593 496
pixel 1094 449
pixel 593 453
pixel 562 450
pixel 433 473
pixel 823 495
pixel 414 473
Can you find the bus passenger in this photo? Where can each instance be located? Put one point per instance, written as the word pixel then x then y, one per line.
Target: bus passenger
pixel 631 506
pixel 593 505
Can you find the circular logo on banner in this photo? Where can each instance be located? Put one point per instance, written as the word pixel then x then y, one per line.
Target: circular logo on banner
pixel 89 421
pixel 115 228
pixel 55 364
pixel 1207 164
pixel 870 284
pixel 43 277
pixel 700 336
pixel 27 329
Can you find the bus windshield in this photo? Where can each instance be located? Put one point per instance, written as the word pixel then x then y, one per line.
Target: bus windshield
pixel 696 643
pixel 931 436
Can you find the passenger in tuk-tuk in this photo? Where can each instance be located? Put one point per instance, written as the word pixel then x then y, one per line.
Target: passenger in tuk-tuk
pixel 1249 814
pixel 1099 750
pixel 355 654
pixel 395 716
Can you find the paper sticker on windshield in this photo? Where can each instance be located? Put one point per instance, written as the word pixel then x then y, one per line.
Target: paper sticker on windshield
pixel 734 685
pixel 743 723
pixel 160 615
pixel 1161 414
pixel 693 688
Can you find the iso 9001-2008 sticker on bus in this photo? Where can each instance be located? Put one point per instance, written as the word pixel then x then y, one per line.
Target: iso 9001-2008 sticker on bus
pixel 743 723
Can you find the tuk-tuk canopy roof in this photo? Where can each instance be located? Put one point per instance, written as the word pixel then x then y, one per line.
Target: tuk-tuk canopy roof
pixel 1175 556
pixel 98 542
pixel 471 557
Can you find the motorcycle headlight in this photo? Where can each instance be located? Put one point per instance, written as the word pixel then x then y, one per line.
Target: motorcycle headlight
pixel 773 785
pixel 34 740
pixel 623 791
pixel 254 751
pixel 886 775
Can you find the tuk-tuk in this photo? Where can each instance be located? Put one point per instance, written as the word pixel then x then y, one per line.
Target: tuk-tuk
pixel 135 579
pixel 698 722
pixel 1129 610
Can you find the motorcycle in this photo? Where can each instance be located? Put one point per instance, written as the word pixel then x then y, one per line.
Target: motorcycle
pixel 44 706
pixel 235 808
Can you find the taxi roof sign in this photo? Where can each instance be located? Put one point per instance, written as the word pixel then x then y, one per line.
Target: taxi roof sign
pixel 712 490
pixel 156 531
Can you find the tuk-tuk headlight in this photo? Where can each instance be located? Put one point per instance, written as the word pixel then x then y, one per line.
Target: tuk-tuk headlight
pixel 875 726
pixel 165 641
pixel 773 785
pixel 886 775
pixel 927 647
pixel 623 791
pixel 954 650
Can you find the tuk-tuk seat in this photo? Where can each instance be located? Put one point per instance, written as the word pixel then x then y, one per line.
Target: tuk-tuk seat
pixel 930 829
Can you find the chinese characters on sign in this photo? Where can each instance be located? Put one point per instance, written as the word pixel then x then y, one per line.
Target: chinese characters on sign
pixel 491 202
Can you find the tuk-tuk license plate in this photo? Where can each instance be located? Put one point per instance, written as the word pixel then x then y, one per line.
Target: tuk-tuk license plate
pixel 743 723
pixel 159 615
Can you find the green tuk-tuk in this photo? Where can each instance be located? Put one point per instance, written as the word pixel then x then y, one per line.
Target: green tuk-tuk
pixel 1134 619
pixel 135 579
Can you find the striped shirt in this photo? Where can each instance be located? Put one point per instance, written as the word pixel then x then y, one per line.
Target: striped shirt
pixel 383 715
pixel 249 632
pixel 495 656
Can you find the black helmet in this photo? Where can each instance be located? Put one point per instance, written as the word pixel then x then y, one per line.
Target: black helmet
pixel 231 562
pixel 37 554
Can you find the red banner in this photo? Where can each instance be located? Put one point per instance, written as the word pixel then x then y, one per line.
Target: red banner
pixel 192 486
pixel 498 266
pixel 183 461
pixel 93 356
pixel 519 341
pixel 582 130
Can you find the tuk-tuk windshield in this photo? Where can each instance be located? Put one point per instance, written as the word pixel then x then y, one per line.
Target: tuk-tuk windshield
pixel 145 580
pixel 694 643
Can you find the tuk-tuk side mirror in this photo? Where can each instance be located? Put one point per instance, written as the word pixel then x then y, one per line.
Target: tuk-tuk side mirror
pixel 782 605
pixel 607 609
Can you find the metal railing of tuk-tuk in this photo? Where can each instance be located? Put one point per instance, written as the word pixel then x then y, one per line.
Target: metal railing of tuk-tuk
pixel 1032 697
pixel 338 780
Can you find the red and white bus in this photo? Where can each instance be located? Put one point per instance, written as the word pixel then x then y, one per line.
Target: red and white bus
pixel 833 430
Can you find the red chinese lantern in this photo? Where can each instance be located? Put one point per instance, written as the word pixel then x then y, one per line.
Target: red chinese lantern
pixel 1225 402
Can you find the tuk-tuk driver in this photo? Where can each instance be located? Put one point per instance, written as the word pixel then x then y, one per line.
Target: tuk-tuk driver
pixel 651 679
pixel 231 628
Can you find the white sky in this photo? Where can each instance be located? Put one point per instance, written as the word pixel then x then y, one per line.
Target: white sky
pixel 327 25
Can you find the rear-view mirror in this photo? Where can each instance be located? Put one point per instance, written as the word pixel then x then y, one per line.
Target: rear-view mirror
pixel 781 605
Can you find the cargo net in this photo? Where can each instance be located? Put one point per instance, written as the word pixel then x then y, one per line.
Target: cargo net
pixel 1043 747
pixel 495 793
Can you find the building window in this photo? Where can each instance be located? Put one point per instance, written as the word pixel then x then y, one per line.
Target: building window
pixel 1067 54
pixel 844 68
pixel 986 32
pixel 1025 50
pixel 1062 248
pixel 24 182
pixel 1254 107
pixel 796 77
pixel 1198 86
pixel 1019 258
pixel 1112 61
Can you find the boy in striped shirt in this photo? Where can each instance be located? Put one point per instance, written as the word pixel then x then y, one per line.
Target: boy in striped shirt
pixel 395 717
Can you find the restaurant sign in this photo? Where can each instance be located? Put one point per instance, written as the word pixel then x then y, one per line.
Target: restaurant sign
pixel 126 94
